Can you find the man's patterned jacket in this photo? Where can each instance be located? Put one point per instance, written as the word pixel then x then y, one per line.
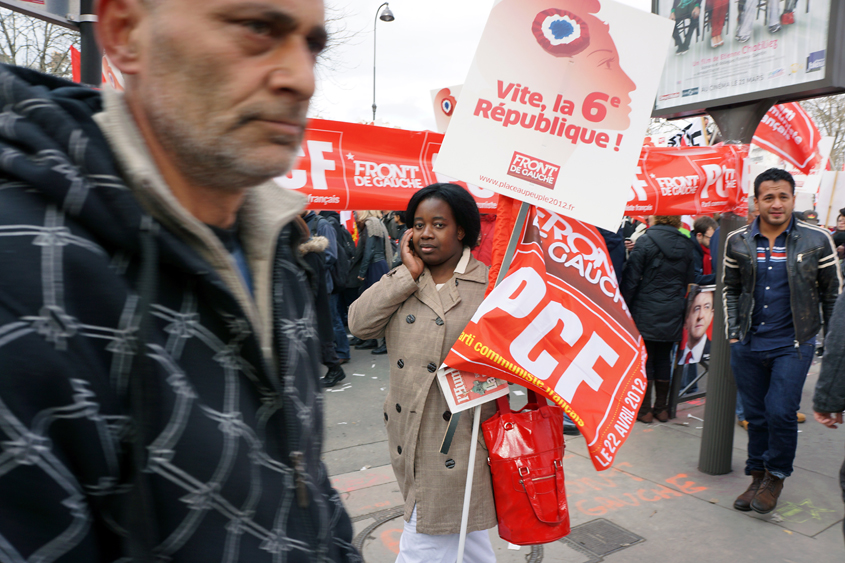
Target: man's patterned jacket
pixel 150 409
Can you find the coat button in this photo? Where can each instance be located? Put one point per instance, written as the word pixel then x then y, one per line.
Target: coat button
pixel 450 463
pixel 399 449
pixel 398 407
pixel 438 321
pixel 432 367
pixel 385 417
pixel 447 416
pixel 401 364
pixel 410 319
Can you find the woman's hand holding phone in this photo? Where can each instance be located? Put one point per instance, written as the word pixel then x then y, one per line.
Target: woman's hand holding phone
pixel 410 259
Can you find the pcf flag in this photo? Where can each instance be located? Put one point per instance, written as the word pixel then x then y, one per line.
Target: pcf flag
pixel 557 324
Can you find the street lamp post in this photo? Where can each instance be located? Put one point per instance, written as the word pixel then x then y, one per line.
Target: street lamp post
pixel 386 16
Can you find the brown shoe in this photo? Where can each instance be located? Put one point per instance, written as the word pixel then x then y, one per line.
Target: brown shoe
pixel 662 389
pixel 743 501
pixel 766 498
pixel 645 416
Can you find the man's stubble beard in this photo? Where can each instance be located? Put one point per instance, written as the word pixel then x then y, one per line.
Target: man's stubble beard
pixel 205 147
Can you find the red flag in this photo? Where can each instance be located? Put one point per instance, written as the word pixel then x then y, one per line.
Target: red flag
pixel 353 166
pixel 688 181
pixel 76 64
pixel 789 132
pixel 558 325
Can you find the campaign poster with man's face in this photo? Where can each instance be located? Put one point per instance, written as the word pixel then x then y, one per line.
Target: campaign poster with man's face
pixel 698 324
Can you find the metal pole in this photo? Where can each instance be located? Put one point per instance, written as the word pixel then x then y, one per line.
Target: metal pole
pixel 737 125
pixel 514 240
pixel 375 22
pixel 476 422
pixel 91 61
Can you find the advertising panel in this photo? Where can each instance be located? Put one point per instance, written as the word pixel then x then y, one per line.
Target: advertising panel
pixel 729 51
pixel 555 104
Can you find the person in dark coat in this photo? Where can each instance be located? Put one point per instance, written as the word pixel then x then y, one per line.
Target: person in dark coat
pixel 313 251
pixel 159 381
pixel 703 231
pixel 654 286
pixel 829 398
pixel 615 243
pixel 378 254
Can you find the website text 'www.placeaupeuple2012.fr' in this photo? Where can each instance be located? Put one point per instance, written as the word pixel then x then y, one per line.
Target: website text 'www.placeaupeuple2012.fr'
pixel 533 195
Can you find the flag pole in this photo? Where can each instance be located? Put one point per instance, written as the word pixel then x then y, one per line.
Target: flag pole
pixel 476 422
pixel 514 240
pixel 476 418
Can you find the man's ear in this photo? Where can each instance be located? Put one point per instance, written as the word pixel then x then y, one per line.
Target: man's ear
pixel 118 32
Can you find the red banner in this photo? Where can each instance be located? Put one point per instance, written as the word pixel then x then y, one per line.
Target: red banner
pixel 352 166
pixel 558 325
pixel 787 131
pixel 689 181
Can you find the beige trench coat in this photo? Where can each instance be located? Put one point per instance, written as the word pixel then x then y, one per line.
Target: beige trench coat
pixel 420 324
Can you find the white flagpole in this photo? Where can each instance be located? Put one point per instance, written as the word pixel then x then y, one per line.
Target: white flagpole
pixel 476 422
pixel 476 418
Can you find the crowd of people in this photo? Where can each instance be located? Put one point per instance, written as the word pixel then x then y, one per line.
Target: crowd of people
pixel 165 306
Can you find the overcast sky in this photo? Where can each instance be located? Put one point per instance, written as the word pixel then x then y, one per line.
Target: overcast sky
pixel 429 46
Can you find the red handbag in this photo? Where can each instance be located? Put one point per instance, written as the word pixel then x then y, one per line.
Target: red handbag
pixel 526 460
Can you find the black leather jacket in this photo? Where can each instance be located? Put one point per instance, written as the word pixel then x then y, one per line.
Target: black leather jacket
pixel 814 279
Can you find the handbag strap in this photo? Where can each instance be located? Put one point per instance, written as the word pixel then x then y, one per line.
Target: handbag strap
pixel 534 397
pixel 503 404
pixel 531 491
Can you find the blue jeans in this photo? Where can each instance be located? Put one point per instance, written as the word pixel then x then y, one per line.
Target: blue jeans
pixel 340 341
pixel 740 412
pixel 770 384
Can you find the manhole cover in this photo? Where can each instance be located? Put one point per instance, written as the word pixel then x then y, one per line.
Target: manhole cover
pixel 602 537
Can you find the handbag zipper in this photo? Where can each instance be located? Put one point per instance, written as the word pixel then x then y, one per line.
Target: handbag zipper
pixel 539 478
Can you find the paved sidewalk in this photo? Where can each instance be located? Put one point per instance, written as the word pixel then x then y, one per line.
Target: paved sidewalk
pixel 655 492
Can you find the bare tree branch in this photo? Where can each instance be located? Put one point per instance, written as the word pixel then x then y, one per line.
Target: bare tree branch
pixel 829 114
pixel 32 43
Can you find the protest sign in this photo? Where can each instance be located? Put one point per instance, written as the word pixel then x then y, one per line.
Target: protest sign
pixel 557 324
pixel 689 181
pixel 555 104
pixel 698 324
pixel 790 133
pixel 444 101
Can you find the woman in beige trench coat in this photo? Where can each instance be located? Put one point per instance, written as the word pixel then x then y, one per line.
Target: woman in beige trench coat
pixel 421 307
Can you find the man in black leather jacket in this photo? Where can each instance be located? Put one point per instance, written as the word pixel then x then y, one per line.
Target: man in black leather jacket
pixel 778 273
